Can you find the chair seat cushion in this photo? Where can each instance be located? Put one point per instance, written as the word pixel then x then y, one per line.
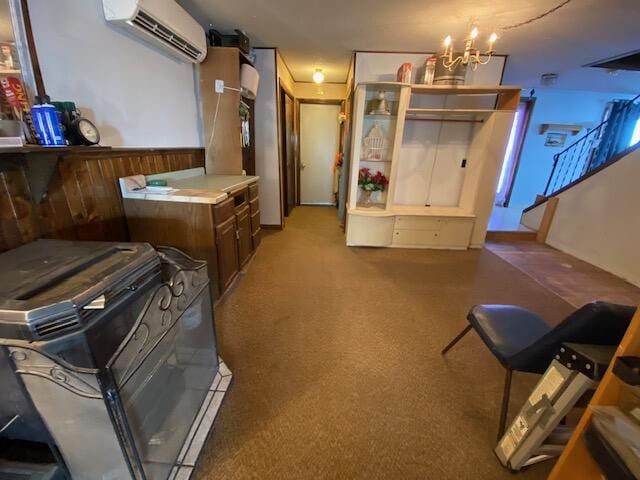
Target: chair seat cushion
pixel 507 329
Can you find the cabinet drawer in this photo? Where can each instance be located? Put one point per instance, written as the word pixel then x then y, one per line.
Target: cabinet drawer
pixel 369 231
pixel 253 191
pixel 454 233
pixel 223 210
pixel 418 238
pixel 255 205
pixel 242 211
pixel 412 222
pixel 256 238
pixel 457 232
pixel 255 222
pixel 240 198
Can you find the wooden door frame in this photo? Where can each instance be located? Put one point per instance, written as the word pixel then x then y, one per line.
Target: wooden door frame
pixel 313 101
pixel 283 90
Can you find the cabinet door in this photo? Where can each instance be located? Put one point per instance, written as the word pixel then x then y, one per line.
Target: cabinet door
pixel 245 245
pixel 227 251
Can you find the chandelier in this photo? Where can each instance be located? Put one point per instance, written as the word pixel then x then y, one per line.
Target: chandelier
pixel 471 54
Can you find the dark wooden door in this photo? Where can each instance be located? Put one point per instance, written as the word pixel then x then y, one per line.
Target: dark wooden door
pixel 245 245
pixel 227 251
pixel 288 152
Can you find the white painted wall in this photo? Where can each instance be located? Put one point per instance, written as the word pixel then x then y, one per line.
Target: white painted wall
pixel 266 138
pixel 553 106
pixel 324 91
pixel 136 94
pixel 597 220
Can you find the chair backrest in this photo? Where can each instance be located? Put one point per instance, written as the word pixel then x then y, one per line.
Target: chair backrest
pixel 597 323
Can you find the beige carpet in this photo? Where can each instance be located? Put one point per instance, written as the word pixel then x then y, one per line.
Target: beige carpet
pixel 336 364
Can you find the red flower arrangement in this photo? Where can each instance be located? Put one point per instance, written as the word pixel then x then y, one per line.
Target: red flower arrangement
pixel 372 182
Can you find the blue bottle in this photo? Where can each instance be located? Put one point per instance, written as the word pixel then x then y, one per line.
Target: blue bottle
pixel 39 122
pixel 52 122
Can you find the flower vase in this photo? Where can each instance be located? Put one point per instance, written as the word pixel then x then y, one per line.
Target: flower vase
pixel 365 198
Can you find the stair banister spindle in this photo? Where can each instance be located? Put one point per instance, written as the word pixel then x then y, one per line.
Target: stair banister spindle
pixel 579 160
pixel 553 170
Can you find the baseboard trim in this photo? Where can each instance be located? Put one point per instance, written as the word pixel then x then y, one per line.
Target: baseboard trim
pixel 513 236
pixel 271 227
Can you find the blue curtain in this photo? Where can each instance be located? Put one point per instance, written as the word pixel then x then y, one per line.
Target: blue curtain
pixel 618 131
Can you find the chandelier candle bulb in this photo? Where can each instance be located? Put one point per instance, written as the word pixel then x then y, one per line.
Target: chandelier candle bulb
pixel 447 44
pixel 470 54
pixel 492 40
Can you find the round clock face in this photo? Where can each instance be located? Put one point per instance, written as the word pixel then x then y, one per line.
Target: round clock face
pixel 88 131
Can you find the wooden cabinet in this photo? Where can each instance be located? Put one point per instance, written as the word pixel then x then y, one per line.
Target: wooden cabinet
pixel 226 155
pixel 243 234
pixel 227 252
pixel 254 204
pixel 225 235
pixel 441 186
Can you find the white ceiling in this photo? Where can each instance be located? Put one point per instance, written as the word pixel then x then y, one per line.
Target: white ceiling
pixel 314 33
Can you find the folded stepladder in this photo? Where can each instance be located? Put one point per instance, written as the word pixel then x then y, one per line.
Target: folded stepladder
pixel 575 370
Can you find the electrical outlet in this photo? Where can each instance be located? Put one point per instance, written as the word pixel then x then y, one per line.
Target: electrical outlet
pixel 218 86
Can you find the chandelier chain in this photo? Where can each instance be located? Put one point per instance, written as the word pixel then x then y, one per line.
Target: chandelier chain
pixel 536 18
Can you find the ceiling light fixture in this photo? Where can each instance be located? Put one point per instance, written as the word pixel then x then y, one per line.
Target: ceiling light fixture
pixel 318 76
pixel 471 54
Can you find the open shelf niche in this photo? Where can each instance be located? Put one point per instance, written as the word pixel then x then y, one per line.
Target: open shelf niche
pixel 378 137
pixel 444 147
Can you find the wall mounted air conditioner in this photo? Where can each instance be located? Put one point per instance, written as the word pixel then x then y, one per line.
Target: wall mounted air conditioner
pixel 163 22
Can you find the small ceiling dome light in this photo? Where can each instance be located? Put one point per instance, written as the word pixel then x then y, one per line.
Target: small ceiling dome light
pixel 318 76
pixel 548 79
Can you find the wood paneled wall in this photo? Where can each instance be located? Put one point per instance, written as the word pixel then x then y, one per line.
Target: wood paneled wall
pixel 83 201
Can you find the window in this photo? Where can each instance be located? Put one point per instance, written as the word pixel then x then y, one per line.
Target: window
pixel 635 137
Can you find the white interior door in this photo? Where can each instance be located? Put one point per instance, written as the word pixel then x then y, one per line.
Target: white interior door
pixel 319 142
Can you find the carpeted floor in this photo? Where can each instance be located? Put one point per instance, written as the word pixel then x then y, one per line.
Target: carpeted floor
pixel 336 363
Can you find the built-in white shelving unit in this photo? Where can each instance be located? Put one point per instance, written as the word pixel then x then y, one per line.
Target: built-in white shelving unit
pixel 444 147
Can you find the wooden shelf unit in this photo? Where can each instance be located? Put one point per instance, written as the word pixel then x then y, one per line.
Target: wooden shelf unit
pixel 224 154
pixel 576 462
pixel 460 220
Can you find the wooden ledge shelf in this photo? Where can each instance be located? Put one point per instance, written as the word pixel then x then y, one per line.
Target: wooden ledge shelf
pixel 52 150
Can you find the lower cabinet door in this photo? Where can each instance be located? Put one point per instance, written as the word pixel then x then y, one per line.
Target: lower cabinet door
pixel 245 245
pixel 256 238
pixel 227 251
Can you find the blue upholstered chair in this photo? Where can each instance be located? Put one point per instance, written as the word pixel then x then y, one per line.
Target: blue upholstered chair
pixel 524 342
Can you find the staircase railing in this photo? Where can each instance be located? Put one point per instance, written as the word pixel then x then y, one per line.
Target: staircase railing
pixel 578 158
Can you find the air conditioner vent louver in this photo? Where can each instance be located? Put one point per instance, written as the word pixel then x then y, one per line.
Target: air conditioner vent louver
pixel 56 326
pixel 145 21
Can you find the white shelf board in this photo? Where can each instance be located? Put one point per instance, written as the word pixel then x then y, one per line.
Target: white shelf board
pixel 376 210
pixel 417 210
pixel 450 111
pixel 378 116
pixel 374 161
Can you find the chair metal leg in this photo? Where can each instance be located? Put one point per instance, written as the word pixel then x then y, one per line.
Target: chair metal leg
pixel 505 402
pixel 456 340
